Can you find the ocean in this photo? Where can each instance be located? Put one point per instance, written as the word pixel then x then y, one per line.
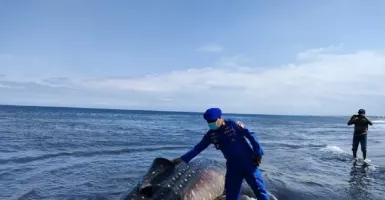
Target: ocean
pixel 73 153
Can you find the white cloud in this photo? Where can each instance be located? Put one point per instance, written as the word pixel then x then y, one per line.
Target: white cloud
pixel 211 48
pixel 323 83
pixel 312 53
pixel 238 61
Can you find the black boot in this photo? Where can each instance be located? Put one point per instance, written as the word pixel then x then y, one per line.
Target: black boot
pixel 364 155
pixel 355 154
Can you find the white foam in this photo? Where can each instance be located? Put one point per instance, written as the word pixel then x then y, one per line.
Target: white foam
pixel 378 121
pixel 369 164
pixel 332 149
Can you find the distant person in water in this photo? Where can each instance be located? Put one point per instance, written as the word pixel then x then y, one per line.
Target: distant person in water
pixel 229 136
pixel 361 126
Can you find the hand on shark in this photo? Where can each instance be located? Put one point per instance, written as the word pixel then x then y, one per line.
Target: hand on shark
pixel 176 161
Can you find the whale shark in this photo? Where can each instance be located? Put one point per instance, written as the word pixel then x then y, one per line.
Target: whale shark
pixel 200 179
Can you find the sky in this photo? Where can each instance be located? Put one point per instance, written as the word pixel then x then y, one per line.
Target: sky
pixel 291 57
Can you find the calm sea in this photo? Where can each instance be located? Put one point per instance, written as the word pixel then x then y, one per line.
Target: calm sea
pixel 70 153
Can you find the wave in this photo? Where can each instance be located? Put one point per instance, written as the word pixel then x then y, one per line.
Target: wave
pixel 331 152
pixel 27 159
pixel 333 149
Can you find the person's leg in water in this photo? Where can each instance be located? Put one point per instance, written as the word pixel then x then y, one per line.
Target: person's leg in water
pixel 233 181
pixel 363 143
pixel 355 146
pixel 253 177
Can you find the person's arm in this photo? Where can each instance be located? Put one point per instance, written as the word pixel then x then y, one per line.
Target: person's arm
pixel 352 120
pixel 198 148
pixel 252 137
pixel 369 122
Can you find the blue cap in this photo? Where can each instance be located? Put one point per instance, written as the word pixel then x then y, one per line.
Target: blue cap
pixel 212 114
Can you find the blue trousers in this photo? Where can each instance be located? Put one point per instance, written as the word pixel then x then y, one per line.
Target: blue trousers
pixel 359 139
pixel 236 172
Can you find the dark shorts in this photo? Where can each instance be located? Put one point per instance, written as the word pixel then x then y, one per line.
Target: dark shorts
pixel 359 139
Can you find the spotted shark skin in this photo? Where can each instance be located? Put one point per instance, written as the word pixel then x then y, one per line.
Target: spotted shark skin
pixel 201 179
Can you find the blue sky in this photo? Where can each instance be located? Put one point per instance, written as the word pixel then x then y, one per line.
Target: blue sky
pixel 248 56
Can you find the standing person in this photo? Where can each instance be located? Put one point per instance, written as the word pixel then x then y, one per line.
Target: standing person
pixel 242 161
pixel 360 132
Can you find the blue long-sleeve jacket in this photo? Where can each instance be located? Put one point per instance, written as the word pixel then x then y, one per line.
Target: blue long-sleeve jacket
pixel 230 138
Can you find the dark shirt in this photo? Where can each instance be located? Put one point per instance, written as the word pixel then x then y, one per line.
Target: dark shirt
pixel 360 124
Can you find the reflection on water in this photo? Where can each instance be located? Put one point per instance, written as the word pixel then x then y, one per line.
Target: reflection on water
pixel 359 182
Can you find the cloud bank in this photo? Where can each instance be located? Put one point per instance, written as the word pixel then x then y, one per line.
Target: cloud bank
pixel 320 82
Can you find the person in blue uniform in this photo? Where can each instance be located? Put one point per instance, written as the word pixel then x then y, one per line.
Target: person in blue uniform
pixel 242 159
pixel 360 133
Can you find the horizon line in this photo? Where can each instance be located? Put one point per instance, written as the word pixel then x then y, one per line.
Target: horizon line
pixel 174 111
